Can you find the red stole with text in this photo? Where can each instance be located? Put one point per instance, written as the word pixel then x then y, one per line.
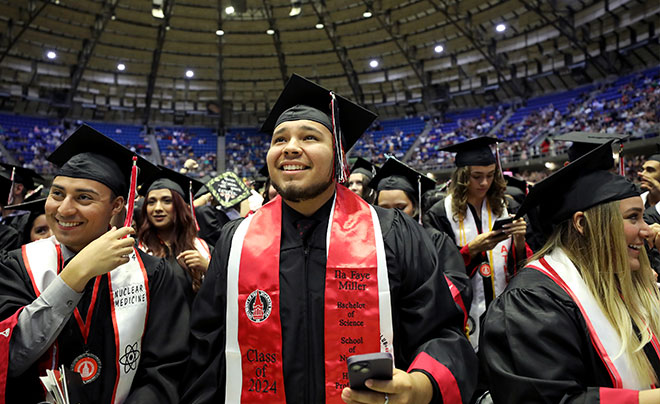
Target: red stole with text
pixel 353 322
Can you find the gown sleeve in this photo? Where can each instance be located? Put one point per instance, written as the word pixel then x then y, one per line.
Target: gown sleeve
pixel 204 378
pixel 165 342
pixel 427 322
pixel 454 269
pixel 536 349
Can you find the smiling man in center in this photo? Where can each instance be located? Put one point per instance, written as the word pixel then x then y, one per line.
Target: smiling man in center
pixel 318 275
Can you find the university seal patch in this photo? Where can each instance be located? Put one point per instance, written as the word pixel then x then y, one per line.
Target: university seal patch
pixel 258 306
pixel 88 365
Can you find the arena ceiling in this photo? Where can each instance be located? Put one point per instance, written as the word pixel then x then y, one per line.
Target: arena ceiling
pixel 236 76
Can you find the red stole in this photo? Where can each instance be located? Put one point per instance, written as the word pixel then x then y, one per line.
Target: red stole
pixel 352 317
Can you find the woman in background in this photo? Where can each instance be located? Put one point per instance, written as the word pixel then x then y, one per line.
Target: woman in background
pixel 167 228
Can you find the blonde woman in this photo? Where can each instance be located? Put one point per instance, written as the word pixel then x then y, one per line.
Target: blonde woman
pixel 579 323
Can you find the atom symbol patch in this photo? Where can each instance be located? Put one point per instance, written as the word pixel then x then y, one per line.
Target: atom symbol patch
pixel 131 357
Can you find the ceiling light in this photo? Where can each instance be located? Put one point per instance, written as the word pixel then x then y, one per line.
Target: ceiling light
pixel 219 32
pixel 190 73
pixel 229 10
pixel 270 31
pixel 295 10
pixel 167 27
pixel 157 13
pixel 367 14
pixel 500 27
pixel 51 55
pixel 319 25
pixel 439 48
pixel 113 17
pixel 121 67
pixel 374 63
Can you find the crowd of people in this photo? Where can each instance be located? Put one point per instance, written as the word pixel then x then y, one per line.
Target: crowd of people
pixel 485 289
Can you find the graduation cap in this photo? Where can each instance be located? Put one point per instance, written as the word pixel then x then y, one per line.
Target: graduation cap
pixel 302 99
pixel 22 175
pixel 228 189
pixel 656 156
pixel 473 152
pixel 166 178
pixel 5 190
pixel 584 142
pixel 364 167
pixel 37 206
pixel 578 186
pixel 396 175
pixel 89 154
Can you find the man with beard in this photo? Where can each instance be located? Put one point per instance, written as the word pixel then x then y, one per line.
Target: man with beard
pixel 318 275
pixel 650 181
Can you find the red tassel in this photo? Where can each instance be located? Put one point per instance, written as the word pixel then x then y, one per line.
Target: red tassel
pixel 192 206
pixel 131 194
pixel 10 198
pixel 622 166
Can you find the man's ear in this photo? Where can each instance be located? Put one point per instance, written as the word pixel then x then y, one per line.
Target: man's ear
pixel 578 222
pixel 118 205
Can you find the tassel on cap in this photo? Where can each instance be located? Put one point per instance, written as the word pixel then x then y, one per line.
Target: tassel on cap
pixel 341 169
pixel 192 205
pixel 131 194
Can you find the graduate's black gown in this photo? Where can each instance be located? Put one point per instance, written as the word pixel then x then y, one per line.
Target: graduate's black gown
pixel 425 318
pixel 536 346
pixel 164 344
pixel 210 222
pixel 9 238
pixel 452 264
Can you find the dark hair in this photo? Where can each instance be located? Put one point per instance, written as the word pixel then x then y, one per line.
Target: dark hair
pixel 184 235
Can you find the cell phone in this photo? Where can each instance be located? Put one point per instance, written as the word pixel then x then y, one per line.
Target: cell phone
pixel 501 222
pixel 369 366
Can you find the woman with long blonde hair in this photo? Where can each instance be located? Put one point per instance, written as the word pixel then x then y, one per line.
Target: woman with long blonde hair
pixel 579 323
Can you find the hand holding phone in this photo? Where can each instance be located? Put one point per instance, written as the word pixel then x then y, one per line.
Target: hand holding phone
pixel 501 222
pixel 369 366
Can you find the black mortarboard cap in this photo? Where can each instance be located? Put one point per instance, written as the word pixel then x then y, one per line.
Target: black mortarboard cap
pixel 5 187
pixel 578 186
pixel 395 174
pixel 300 94
pixel 228 189
pixel 172 180
pixel 88 154
pixel 584 142
pixel 518 183
pixel 473 152
pixel 35 206
pixel 656 156
pixel 264 171
pixel 364 167
pixel 22 175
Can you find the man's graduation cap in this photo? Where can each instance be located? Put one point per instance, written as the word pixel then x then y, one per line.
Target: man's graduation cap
pixel 656 156
pixel 88 154
pixel 473 152
pixel 396 175
pixel 364 167
pixel 578 186
pixel 172 180
pixel 584 142
pixel 302 99
pixel 228 189
pixel 22 175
